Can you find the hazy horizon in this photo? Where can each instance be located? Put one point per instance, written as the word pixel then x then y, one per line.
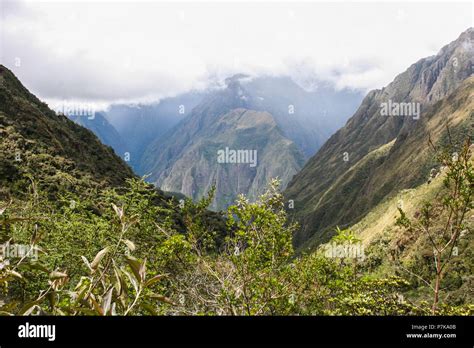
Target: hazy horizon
pixel 142 52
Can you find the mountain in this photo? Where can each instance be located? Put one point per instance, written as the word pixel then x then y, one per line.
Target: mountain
pixel 197 167
pixel 39 145
pixel 101 127
pixel 187 159
pixel 139 125
pixel 273 115
pixel 377 154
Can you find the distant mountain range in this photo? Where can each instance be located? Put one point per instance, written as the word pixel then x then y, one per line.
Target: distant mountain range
pixel 175 141
pixel 274 117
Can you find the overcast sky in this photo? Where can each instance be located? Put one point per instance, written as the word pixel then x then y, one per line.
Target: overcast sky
pixel 105 52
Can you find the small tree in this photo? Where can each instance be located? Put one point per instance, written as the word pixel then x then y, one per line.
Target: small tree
pixel 259 250
pixel 443 220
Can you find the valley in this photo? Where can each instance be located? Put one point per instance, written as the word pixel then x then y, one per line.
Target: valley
pixel 157 136
pixel 289 184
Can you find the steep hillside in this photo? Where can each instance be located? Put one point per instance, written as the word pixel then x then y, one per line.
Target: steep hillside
pixel 41 149
pixel 352 173
pixel 36 144
pixel 392 249
pixel 101 127
pixel 387 247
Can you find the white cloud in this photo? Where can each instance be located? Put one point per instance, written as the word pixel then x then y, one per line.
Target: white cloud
pixel 105 52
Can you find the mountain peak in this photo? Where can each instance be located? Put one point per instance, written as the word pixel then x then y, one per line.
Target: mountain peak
pixel 464 43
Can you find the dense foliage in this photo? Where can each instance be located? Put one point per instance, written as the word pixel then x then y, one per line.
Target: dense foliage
pixel 119 253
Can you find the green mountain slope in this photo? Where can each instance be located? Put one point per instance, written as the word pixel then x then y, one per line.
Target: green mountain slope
pixel 352 172
pixel 41 149
pixel 36 144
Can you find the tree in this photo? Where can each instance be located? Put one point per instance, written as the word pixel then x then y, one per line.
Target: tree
pixel 443 220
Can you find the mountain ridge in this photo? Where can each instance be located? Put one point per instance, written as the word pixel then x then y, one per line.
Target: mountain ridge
pixel 424 82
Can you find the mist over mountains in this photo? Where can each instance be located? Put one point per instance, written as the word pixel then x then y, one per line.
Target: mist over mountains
pixel 139 125
pixel 175 141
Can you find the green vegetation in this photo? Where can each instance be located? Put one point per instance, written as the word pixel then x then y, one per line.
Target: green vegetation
pixel 425 234
pixel 443 220
pixel 117 253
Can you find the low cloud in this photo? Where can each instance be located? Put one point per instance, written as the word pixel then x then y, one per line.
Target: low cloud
pixel 140 52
